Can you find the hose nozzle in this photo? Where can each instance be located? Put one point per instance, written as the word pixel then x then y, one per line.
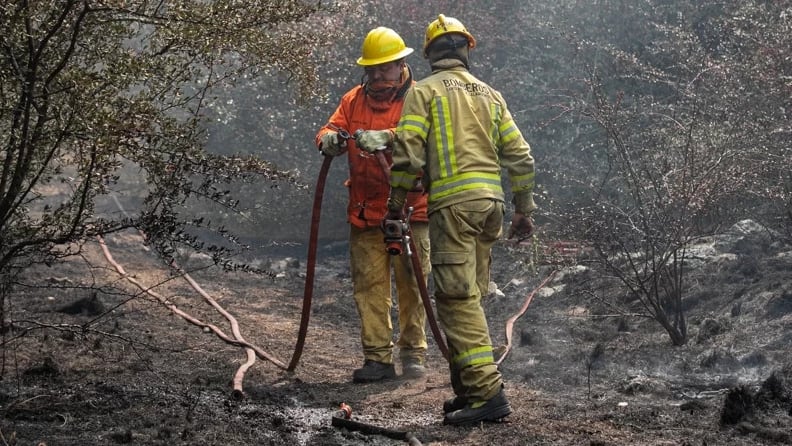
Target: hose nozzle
pixel 344 411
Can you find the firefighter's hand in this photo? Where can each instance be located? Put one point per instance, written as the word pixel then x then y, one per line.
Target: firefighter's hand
pixel 330 144
pixel 521 226
pixel 373 140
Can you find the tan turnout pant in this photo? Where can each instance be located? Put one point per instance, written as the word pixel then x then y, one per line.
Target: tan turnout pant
pixel 462 237
pixel 371 277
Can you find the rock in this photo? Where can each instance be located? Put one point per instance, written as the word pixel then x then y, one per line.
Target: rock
pixel 709 329
pixel 737 405
pixel 493 291
pixel 746 237
pixel 89 306
pixel 638 384
pixel 60 281
pixel 285 264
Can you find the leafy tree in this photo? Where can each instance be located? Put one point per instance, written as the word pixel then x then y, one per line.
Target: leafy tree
pixel 103 96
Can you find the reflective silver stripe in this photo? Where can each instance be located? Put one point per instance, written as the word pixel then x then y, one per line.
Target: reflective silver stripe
pixel 402 179
pixel 414 123
pixel 478 355
pixel 508 132
pixel 495 112
pixel 444 137
pixel 522 182
pixel 466 181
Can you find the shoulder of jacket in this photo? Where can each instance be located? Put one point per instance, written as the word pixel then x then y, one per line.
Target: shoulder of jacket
pixel 353 92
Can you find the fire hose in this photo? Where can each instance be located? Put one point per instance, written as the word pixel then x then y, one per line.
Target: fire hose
pixel 407 239
pixel 311 261
pixel 416 262
pixel 419 276
pixel 343 418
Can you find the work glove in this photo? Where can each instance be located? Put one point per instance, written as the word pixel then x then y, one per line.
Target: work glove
pixel 395 211
pixel 521 226
pixel 396 202
pixel 373 140
pixel 330 144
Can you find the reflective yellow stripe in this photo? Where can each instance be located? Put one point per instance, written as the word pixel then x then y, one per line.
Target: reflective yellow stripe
pixel 522 182
pixel 414 123
pixel 495 112
pixel 466 181
pixel 508 132
pixel 478 355
pixel 444 137
pixel 402 179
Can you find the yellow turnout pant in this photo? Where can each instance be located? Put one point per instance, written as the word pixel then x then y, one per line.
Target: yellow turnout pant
pixel 371 278
pixel 462 237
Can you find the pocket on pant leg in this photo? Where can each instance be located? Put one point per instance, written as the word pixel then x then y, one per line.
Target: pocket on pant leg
pixel 454 274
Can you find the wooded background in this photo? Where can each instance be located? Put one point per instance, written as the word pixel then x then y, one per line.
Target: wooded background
pixel 653 123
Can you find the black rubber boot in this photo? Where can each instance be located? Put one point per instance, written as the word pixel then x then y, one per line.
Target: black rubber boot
pixel 491 410
pixel 455 403
pixel 373 371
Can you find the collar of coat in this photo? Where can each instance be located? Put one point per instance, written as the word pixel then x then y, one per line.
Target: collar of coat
pixel 446 64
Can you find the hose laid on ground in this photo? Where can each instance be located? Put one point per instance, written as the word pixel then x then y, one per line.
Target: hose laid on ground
pixel 370 429
pixel 237 340
pixel 311 262
pixel 511 320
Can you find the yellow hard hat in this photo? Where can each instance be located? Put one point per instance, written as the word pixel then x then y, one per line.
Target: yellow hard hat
pixel 382 45
pixel 445 25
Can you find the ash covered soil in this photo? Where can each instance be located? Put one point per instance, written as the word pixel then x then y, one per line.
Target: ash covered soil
pixel 86 364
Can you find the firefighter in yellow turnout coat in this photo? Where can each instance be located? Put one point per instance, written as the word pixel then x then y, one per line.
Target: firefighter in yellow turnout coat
pixel 459 131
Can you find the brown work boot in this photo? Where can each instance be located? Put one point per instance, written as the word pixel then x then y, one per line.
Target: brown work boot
pixel 474 412
pixel 413 368
pixel 373 371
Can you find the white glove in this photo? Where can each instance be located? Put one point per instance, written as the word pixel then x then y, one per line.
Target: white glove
pixel 373 140
pixel 330 144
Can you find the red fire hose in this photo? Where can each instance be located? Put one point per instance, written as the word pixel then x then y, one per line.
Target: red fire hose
pixel 419 277
pixel 311 262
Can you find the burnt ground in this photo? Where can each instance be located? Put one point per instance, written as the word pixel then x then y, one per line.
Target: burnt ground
pixel 84 363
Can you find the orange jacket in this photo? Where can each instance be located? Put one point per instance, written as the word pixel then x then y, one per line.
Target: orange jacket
pixel 368 187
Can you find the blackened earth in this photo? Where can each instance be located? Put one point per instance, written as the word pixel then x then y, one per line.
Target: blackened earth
pixel 86 364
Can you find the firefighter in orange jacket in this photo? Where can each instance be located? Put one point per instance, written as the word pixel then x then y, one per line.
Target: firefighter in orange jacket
pixel 375 107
